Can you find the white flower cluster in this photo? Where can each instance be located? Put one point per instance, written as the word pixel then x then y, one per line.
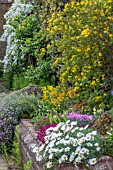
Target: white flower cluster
pixel 68 143
pixel 20 10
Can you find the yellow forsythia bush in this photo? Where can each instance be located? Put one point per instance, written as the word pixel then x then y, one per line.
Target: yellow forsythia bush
pixel 82 43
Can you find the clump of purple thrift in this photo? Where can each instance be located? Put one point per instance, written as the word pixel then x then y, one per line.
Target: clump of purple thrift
pixel 82 119
pixel 41 133
pixel 7 124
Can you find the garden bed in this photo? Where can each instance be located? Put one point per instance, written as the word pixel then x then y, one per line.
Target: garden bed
pixel 28 141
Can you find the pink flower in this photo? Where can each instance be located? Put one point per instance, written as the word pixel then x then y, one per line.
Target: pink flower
pixel 41 133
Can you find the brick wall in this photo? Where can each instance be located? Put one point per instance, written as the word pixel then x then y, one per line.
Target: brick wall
pixel 4 6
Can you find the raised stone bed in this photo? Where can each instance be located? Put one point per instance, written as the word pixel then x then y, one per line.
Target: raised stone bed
pixel 28 141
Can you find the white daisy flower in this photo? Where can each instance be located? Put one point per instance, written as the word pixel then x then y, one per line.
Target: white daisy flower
pixel 63 127
pixel 88 137
pixel 39 157
pixel 68 122
pixel 76 128
pixel 89 144
pixel 59 134
pixel 86 126
pixel 80 156
pixel 61 150
pixel 79 134
pixel 60 161
pixel 71 158
pixel 98 148
pixel 57 143
pixel 56 129
pixel 87 151
pixel 36 149
pixel 61 141
pixel 73 130
pixel 51 144
pixel 83 150
pixel 42 147
pixel 78 150
pixel 51 156
pixel 71 140
pixel 67 149
pixel 51 150
pixel 74 123
pixel 48 132
pixel 80 141
pixel 67 137
pixel 46 138
pixel 96 144
pixel 77 160
pixel 94 132
pixel 59 125
pixel 64 157
pixel 73 153
pixel 58 138
pixel 66 142
pixel 75 143
pixel 81 128
pixel 49 164
pixel 92 161
pixel 56 150
pixel 68 128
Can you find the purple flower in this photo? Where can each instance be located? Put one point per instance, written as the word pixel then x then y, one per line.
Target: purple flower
pixel 80 117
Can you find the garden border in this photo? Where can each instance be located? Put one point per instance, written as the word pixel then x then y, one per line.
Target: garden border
pixel 28 142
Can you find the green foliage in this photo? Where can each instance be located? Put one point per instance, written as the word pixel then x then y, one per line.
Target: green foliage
pixel 16 151
pixel 26 43
pixel 22 105
pixel 27 165
pixel 5 152
pixel 108 142
pixel 19 81
pixel 44 9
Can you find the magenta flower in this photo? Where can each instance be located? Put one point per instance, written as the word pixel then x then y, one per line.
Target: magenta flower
pixel 41 133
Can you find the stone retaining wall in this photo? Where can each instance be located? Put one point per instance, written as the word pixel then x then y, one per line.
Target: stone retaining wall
pixel 28 141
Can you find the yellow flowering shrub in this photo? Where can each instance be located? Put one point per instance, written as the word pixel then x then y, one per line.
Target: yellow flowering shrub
pixel 82 43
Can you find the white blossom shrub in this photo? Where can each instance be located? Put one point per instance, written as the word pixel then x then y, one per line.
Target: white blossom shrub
pixel 17 12
pixel 68 143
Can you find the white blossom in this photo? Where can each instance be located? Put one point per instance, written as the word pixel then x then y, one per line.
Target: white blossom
pixel 67 149
pixel 49 164
pixel 92 161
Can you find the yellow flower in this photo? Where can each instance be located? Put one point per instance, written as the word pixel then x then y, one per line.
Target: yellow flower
pixel 50 88
pixel 110 35
pixel 94 17
pixel 78 50
pixel 56 61
pixel 85 32
pixel 76 88
pixel 52 93
pixel 43 50
pixel 93 83
pixel 48 46
pixel 100 54
pixel 105 94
